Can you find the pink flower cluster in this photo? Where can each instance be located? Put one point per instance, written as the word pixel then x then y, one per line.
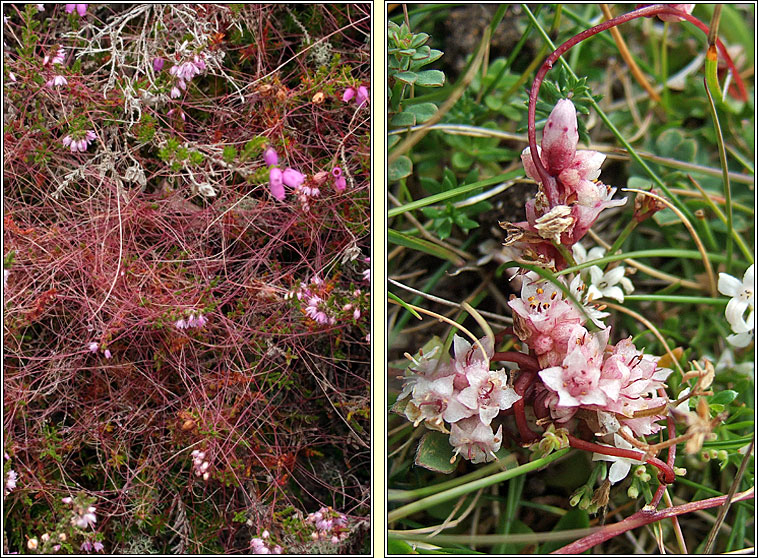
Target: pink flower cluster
pixel 200 464
pixel 95 546
pixel 55 80
pixel 339 181
pixel 81 144
pixel 83 517
pixel 360 94
pixel 194 320
pixel 579 369
pixel 462 392
pixel 94 347
pixel 569 203
pixel 260 546
pixel 184 73
pixel 80 9
pixel 317 309
pixel 279 178
pixel 330 525
pixel 10 479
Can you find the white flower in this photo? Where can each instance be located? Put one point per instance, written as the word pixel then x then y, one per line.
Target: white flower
pixel 621 465
pixel 581 255
pixel 603 285
pixel 579 290
pixel 742 293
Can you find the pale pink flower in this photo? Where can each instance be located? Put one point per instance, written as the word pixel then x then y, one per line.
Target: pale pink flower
pixel 356 313
pixel 275 183
pixel 86 519
pixel 579 381
pixel 435 401
pixel 11 77
pixel 544 320
pixel 40 7
pixel 107 353
pixel 488 393
pixel 98 546
pixel 270 157
pixel 292 178
pixel 475 440
pixel 313 310
pixel 10 481
pixel 579 175
pixel 175 92
pixel 81 9
pixel 93 347
pixel 6 274
pixel 181 324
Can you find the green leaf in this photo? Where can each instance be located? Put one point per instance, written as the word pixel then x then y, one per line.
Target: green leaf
pixel 516 528
pixel 421 245
pixel 443 227
pixel 419 40
pixel 404 304
pixel 464 222
pixel 405 118
pixel 392 141
pixel 430 78
pixel 723 397
pixel 399 169
pixel 461 160
pixel 435 452
pixel 574 519
pixel 407 77
pixel 396 546
pixel 422 111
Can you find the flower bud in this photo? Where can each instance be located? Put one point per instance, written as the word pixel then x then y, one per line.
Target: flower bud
pixel 32 544
pixel 633 492
pixel 560 137
pixel 275 183
pixel 686 8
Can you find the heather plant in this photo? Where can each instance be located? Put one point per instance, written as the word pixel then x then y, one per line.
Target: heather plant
pixel 597 302
pixel 186 339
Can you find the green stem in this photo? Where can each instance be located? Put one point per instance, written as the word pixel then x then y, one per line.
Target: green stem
pixel 459 491
pixel 623 236
pixel 665 67
pixel 394 495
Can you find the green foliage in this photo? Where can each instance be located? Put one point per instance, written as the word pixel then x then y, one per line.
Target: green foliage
pixel 451 214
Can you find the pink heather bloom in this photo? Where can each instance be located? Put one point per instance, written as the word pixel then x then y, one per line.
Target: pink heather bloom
pixel 275 183
pixel 93 347
pixel 157 64
pixel 362 96
pixel 475 440
pixel 87 519
pixel 81 9
pixel 107 353
pixel 67 500
pixel 6 274
pixel 10 481
pixel 56 81
pixel 314 312
pixel 340 183
pixel 175 92
pixel 181 324
pixel 11 77
pixel 40 7
pixel 98 546
pixel 292 178
pixel 270 157
pixel 544 320
pixel 337 172
pixel 348 94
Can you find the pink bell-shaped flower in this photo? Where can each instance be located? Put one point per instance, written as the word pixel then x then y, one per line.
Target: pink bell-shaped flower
pixel 292 178
pixel 275 183
pixel 560 137
pixel 270 157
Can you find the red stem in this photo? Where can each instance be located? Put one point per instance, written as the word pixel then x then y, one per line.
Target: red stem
pixel 524 361
pixel 645 517
pixel 547 181
pixel 666 475
pixel 520 386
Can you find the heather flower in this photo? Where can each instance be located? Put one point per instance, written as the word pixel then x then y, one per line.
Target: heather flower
pixel 340 183
pixel 6 274
pixel 175 92
pixel 81 9
pixel 93 347
pixel 32 544
pixel 361 96
pixel 107 353
pixel 337 172
pixel 348 94
pixel 292 178
pixel 742 300
pixel 475 440
pixel 181 323
pixel 275 183
pixel 604 285
pixel 315 312
pixel 58 58
pixel 10 481
pixel 56 81
pixel 40 7
pixel 270 157
pixel 157 64
pixel 11 77
pixel 84 519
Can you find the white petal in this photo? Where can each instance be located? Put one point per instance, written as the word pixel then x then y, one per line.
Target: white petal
pixel 614 275
pixel 740 339
pixel 748 278
pixel 626 283
pixel 734 311
pixel 619 470
pixel 593 293
pixel 580 254
pixel 615 293
pixel 728 285
pixel 596 274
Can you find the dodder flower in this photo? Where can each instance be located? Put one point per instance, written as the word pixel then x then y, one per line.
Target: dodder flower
pixel 742 293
